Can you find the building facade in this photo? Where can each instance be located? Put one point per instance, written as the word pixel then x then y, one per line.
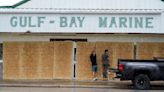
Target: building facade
pixel 127 26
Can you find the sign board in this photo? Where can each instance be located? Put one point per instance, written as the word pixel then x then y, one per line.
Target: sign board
pixel 81 23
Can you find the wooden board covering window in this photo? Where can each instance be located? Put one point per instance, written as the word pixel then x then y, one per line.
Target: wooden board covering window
pixel 116 51
pixel 149 50
pixel 45 68
pixel 83 64
pixel 37 60
pixel 63 60
pixel 11 58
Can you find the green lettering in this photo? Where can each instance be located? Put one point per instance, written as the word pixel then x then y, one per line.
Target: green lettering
pixel 149 22
pixel 81 20
pixel 41 20
pixel 73 22
pixel 102 22
pixel 30 23
pixel 130 22
pixel 63 21
pixel 13 21
pixel 138 22
pixel 123 21
pixel 23 21
pixel 113 22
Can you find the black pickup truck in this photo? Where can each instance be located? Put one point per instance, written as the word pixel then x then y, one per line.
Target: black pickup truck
pixel 141 72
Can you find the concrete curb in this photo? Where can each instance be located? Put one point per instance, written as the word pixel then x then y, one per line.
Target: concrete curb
pixel 57 86
pixel 68 84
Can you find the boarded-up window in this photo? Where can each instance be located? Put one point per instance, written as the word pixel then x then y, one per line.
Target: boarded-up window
pixel 116 51
pixel 150 50
pixel 83 64
pixel 37 60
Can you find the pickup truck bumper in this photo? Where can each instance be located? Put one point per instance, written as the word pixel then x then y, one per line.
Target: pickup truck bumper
pixel 114 70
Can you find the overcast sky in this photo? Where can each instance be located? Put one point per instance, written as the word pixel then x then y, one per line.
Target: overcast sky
pixel 8 2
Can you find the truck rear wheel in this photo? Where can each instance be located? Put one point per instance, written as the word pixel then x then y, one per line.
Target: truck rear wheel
pixel 142 81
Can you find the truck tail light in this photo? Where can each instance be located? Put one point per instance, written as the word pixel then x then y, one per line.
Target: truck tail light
pixel 120 67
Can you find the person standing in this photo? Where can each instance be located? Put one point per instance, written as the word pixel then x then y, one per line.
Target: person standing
pixel 94 65
pixel 105 63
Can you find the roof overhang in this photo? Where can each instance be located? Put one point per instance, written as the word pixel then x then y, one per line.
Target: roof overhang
pixel 46 7
pixel 85 11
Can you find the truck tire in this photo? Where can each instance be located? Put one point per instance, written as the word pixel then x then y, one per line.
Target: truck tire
pixel 142 81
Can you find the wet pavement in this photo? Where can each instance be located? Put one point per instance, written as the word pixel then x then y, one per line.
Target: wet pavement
pixel 57 83
pixel 74 86
pixel 42 89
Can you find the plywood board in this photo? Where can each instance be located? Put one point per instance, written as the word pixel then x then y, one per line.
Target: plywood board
pixel 53 60
pixel 160 50
pixel 62 67
pixel 38 60
pixel 45 66
pixel 83 64
pixel 123 51
pixel 11 55
pixel 116 51
pixel 148 51
pixel 30 59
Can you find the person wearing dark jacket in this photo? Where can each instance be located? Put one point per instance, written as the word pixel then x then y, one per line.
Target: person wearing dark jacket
pixel 94 65
pixel 105 63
